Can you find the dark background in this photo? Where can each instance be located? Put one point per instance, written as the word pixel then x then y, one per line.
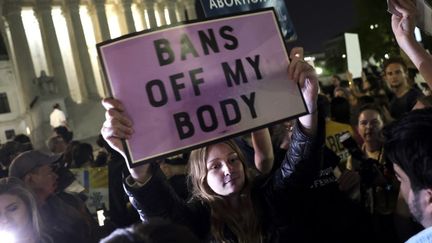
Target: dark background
pixel 316 21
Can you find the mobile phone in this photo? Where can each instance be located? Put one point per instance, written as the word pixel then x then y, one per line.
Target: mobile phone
pixel 391 8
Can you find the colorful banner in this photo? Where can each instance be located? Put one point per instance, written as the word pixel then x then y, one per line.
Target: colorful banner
pixel 95 182
pixel 193 84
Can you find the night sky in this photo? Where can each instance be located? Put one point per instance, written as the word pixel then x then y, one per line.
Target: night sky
pixel 316 21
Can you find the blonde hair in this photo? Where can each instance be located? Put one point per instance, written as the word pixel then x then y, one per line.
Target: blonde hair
pixel 14 186
pixel 244 224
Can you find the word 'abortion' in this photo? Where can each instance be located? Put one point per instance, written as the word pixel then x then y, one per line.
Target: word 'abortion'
pixel 234 72
pixel 231 3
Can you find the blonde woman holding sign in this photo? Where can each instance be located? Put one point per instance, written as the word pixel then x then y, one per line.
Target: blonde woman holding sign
pixel 228 203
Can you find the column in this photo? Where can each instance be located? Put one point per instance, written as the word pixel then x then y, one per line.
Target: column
pixel 78 43
pixel 150 7
pixel 102 22
pixel 141 8
pixel 160 7
pixel 126 7
pixel 180 11
pixel 25 72
pixel 52 48
pixel 190 9
pixel 171 6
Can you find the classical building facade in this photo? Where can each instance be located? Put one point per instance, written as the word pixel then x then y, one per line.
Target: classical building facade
pixel 51 46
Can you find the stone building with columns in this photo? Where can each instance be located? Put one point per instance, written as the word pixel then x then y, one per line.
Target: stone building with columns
pixel 51 45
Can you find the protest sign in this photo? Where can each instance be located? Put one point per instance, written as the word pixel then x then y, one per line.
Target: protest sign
pixel 192 84
pixel 352 46
pixel 95 182
pixel 213 8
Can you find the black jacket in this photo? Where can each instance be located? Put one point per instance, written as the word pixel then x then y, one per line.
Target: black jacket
pixel 272 195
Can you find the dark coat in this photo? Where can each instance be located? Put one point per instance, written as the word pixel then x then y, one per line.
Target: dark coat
pixel 271 195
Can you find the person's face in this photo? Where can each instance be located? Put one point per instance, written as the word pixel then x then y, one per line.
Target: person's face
pixel 415 201
pixel 225 172
pixel 366 85
pixel 370 125
pixel 335 81
pixel 14 215
pixel 44 179
pixel 395 75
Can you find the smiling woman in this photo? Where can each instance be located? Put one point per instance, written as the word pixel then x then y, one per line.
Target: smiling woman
pixel 19 216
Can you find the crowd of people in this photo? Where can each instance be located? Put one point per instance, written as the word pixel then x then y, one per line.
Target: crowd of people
pixel 356 168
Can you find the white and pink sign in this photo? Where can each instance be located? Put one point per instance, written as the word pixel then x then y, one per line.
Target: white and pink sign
pixel 189 85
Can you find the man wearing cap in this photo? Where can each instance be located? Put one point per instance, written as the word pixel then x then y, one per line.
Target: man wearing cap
pixel 64 215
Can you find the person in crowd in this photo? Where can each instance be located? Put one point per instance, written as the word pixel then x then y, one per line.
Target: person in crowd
pixel 19 213
pixel 102 155
pixel 24 141
pixel 226 206
pixel 337 124
pixel 57 117
pixel 407 145
pixel 56 145
pixel 403 24
pixel 7 153
pixel 67 155
pixel 82 156
pixel 121 212
pixel 153 231
pixel 64 133
pixel 379 186
pixel 175 170
pixel 65 213
pixel 405 97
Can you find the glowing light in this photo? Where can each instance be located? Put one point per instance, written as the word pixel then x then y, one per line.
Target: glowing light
pixel 319 70
pixel 28 131
pixel 376 26
pixel 309 59
pixel 371 26
pixel 7 237
pixel 417 34
pixel 343 56
pixel 101 217
pixel 386 56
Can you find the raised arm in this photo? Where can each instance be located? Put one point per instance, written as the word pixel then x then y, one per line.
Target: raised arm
pixel 263 149
pixel 300 165
pixel 304 74
pixel 118 126
pixel 403 29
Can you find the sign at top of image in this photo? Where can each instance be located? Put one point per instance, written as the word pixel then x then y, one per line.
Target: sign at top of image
pixel 213 8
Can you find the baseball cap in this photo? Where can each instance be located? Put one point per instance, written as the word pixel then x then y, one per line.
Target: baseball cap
pixel 30 160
